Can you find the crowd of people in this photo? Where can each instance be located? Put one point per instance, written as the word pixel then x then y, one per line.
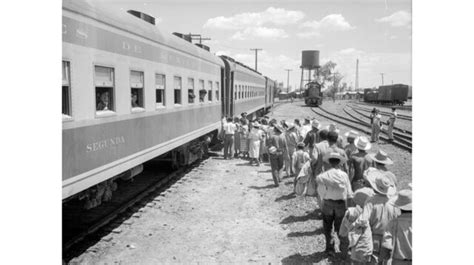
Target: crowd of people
pixel 357 195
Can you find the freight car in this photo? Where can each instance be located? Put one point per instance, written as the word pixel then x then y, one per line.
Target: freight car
pixel 314 96
pixel 390 94
pixel 132 92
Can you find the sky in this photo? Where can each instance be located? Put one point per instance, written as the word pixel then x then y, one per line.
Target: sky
pixel 377 32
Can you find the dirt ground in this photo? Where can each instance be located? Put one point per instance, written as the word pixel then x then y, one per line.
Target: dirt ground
pixel 224 211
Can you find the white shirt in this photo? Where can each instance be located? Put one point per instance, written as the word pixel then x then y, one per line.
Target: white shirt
pixel 229 128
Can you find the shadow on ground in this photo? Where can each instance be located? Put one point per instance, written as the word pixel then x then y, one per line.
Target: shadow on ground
pixel 318 231
pixel 297 259
pixel 269 186
pixel 315 215
pixel 286 197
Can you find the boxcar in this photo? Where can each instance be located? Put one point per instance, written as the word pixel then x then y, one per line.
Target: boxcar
pixel 393 94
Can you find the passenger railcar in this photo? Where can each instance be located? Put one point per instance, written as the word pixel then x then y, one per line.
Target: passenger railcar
pixel 132 92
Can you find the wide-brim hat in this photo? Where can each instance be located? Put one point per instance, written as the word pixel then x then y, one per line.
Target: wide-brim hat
pixel 272 150
pixel 351 134
pixel 381 157
pixel 403 200
pixel 332 128
pixel 256 125
pixel 362 143
pixel 278 127
pixel 380 183
pixel 308 118
pixel 300 144
pixel 361 195
pixel 316 124
pixel 290 125
pixel 334 155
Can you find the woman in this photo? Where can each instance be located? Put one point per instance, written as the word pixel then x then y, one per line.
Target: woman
pixel 255 137
pixel 263 150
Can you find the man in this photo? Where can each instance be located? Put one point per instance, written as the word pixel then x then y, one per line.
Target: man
pixel 391 124
pixel 306 127
pixel 380 162
pixel 312 137
pixel 360 162
pixel 318 152
pixel 397 239
pixel 376 124
pixel 333 147
pixel 292 141
pixel 333 128
pixel 334 191
pixel 278 149
pixel 350 149
pixel 229 129
pixel 378 212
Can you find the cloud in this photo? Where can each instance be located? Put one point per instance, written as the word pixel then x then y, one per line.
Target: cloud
pixel 259 32
pixel 397 19
pixel 275 16
pixel 332 22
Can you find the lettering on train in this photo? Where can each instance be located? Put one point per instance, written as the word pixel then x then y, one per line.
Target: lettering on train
pixel 96 146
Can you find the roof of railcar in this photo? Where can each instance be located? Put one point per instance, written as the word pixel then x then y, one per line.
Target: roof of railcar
pixel 136 26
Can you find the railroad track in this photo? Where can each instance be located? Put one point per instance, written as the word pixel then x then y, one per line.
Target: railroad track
pixel 399 116
pixel 368 117
pixel 146 197
pixel 363 127
pixel 408 108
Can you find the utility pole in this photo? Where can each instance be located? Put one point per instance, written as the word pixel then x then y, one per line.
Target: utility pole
pixel 256 50
pixel 357 75
pixel 382 77
pixel 288 80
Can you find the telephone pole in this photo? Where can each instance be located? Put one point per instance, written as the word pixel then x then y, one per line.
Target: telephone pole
pixel 288 80
pixel 256 50
pixel 382 77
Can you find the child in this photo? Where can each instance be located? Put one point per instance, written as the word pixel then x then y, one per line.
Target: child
pixel 397 237
pixel 299 158
pixel 360 239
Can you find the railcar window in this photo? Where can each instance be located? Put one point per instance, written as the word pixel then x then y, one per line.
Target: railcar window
pixel 191 95
pixel 209 91
pixel 235 92
pixel 177 90
pixel 202 91
pixel 104 88
pixel 240 92
pixel 66 90
pixel 217 91
pixel 160 84
pixel 137 87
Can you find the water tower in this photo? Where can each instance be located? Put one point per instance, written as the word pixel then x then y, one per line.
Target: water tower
pixel 309 62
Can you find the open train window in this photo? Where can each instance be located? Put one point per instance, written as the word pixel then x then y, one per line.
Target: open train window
pixel 104 89
pixel 66 90
pixel 177 90
pixel 217 91
pixel 209 91
pixel 160 85
pixel 202 91
pixel 137 87
pixel 240 92
pixel 235 92
pixel 191 95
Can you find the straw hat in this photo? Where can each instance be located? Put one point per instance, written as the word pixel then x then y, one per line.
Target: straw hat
pixel 272 150
pixel 334 155
pixel 351 134
pixel 278 127
pixel 316 124
pixel 290 125
pixel 381 157
pixel 361 195
pixel 256 124
pixel 403 200
pixel 308 118
pixel 379 182
pixel 300 144
pixel 362 143
pixel 332 128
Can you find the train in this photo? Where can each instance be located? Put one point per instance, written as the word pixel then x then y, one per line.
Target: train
pixel 313 95
pixel 396 94
pixel 132 92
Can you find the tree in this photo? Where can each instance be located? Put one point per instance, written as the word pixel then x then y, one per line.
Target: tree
pixel 328 74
